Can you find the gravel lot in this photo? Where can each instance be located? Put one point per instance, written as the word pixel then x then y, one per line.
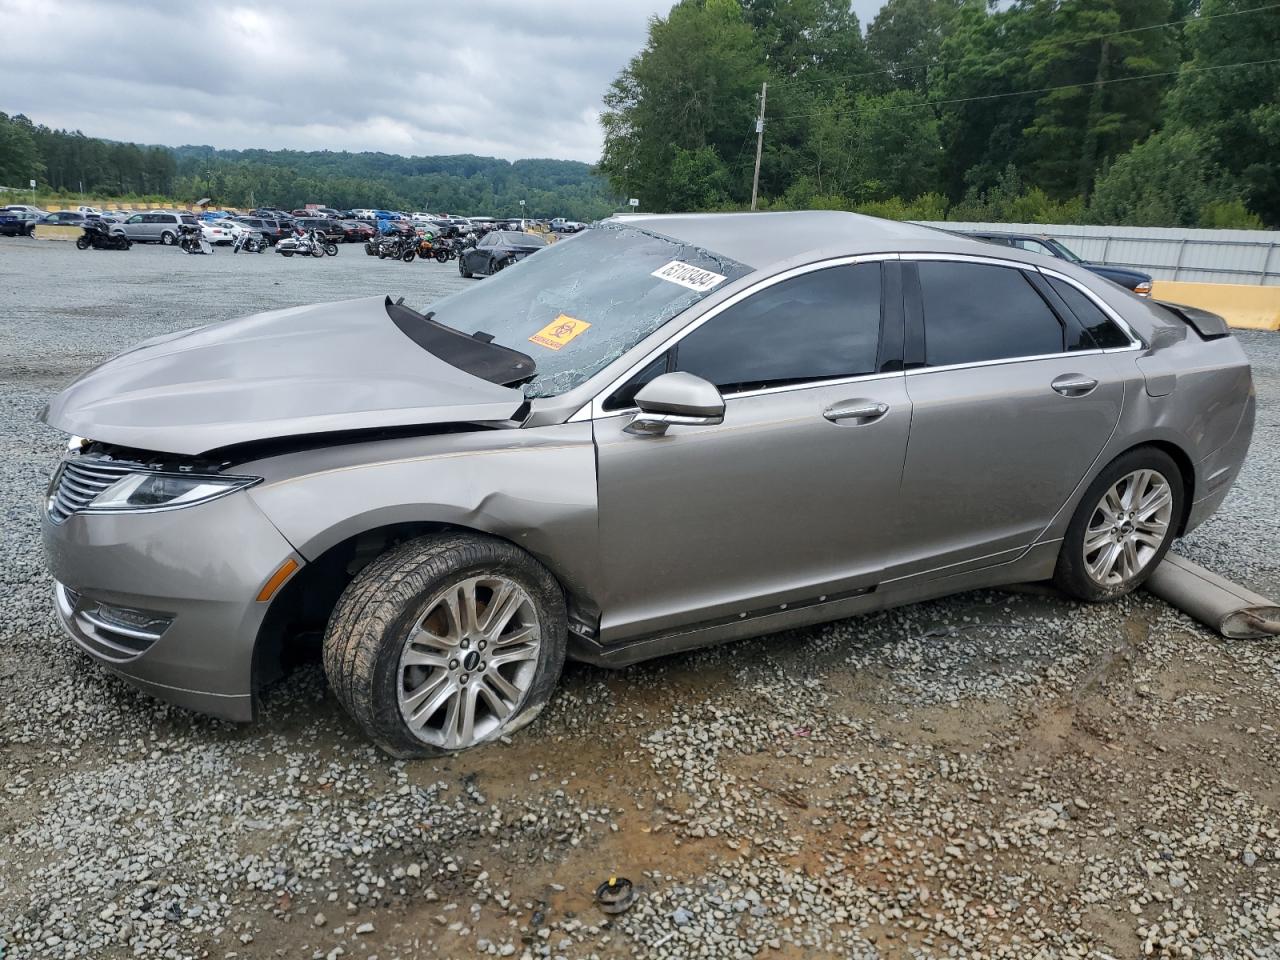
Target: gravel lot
pixel 997 775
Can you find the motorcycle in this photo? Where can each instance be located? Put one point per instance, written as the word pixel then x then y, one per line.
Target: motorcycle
pixel 309 244
pixel 103 236
pixel 429 248
pixel 397 246
pixel 191 239
pixel 250 242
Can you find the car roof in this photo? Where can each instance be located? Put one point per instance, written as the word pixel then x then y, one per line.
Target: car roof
pixel 761 240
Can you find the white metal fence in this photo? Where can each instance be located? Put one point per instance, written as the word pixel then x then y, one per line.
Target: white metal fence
pixel 1208 256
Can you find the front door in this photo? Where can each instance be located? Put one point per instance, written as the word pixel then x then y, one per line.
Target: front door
pixel 793 496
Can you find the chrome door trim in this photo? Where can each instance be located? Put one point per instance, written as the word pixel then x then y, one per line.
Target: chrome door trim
pixel 594 409
pixel 1135 341
pixel 918 371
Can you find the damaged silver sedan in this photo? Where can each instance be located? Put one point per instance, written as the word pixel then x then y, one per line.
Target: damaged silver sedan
pixel 665 432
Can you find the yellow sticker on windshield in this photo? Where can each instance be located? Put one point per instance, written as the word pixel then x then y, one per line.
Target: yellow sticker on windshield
pixel 559 332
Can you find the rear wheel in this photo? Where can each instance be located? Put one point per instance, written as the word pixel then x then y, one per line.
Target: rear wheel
pixel 168 238
pixel 446 642
pixel 1122 528
pixel 286 253
pixel 331 249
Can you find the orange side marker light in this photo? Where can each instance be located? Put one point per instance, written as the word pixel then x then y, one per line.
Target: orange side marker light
pixel 277 580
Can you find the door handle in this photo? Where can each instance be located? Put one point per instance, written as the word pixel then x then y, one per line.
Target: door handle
pixel 859 411
pixel 1074 385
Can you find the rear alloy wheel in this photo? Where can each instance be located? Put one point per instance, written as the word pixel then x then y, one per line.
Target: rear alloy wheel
pixel 168 239
pixel 1123 527
pixel 446 642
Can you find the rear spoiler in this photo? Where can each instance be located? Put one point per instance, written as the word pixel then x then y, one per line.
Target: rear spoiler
pixel 1210 326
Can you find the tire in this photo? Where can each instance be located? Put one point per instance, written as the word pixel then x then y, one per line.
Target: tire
pixel 442 256
pixel 462 268
pixel 82 243
pixel 168 238
pixel 408 256
pixel 331 249
pixel 405 590
pixel 1104 558
pixel 286 253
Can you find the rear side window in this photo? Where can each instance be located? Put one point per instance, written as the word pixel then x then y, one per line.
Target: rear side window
pixel 818 326
pixel 188 219
pixel 1105 334
pixel 976 311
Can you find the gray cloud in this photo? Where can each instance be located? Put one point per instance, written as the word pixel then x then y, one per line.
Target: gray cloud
pixel 484 76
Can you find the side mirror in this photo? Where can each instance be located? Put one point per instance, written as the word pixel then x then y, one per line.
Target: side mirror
pixel 679 399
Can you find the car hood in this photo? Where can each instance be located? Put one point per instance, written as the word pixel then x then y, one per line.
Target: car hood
pixel 304 370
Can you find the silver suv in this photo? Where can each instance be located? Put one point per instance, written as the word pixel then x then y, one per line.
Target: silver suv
pixel 662 433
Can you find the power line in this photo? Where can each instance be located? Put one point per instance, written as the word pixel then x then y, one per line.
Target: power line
pixel 1062 86
pixel 1065 42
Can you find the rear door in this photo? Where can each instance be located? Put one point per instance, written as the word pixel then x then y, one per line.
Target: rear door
pixel 792 498
pixel 1012 403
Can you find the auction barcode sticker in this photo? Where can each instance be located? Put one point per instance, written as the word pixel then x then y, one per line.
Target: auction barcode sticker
pixel 687 275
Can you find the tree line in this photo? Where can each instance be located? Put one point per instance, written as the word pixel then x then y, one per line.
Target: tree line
pixel 1140 112
pixel 69 163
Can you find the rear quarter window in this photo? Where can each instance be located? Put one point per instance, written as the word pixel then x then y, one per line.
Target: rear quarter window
pixel 1097 324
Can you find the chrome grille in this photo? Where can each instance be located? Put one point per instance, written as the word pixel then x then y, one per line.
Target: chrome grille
pixel 79 480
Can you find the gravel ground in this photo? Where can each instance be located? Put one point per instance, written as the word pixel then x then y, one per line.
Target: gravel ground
pixel 996 775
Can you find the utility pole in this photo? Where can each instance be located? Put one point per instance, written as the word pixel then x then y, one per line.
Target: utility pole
pixel 755 180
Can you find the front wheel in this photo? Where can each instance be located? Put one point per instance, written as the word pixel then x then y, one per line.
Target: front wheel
pixel 82 243
pixel 408 256
pixel 442 256
pixel 331 249
pixel 446 642
pixel 462 268
pixel 1122 528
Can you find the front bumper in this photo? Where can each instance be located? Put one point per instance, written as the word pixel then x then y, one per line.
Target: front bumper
pixel 167 600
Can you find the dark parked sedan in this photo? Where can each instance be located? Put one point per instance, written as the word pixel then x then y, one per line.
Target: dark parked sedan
pixel 1135 280
pixel 497 250
pixel 17 223
pixel 355 231
pixel 65 218
pixel 331 230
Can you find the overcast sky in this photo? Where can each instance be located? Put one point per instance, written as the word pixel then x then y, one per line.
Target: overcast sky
pixel 506 78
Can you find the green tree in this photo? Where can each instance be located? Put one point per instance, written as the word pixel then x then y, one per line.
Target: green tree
pixel 693 85
pixel 1236 109
pixel 1170 180
pixel 19 156
pixel 905 40
pixel 1090 51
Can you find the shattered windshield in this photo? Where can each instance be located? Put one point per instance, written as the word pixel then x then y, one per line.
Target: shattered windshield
pixel 581 303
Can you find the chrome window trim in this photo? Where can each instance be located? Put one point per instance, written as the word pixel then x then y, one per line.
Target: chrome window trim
pixel 594 409
pixel 1000 361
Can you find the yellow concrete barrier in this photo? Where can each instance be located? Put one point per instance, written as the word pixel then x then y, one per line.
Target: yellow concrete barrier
pixel 53 231
pixel 1241 305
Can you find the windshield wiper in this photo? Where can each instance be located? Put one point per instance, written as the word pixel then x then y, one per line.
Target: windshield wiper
pixel 477 356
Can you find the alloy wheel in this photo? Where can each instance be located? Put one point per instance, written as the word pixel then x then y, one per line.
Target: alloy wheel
pixel 468 661
pixel 1128 527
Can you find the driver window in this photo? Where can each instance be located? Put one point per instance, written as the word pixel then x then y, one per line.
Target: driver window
pixel 823 325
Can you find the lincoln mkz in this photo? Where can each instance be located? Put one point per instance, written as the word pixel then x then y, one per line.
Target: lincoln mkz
pixel 660 433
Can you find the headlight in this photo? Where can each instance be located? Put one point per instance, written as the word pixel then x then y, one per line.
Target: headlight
pixel 153 491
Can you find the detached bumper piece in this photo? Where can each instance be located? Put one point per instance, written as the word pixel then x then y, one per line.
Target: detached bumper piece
pixel 1226 607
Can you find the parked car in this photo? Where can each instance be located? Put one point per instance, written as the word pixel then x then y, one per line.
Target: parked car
pixel 356 231
pixel 221 232
pixel 208 216
pixel 1135 280
pixel 561 225
pixel 65 218
pixel 157 226
pixel 330 230
pixel 496 251
pixel 273 230
pixel 720 425
pixel 89 211
pixel 38 211
pixel 18 223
